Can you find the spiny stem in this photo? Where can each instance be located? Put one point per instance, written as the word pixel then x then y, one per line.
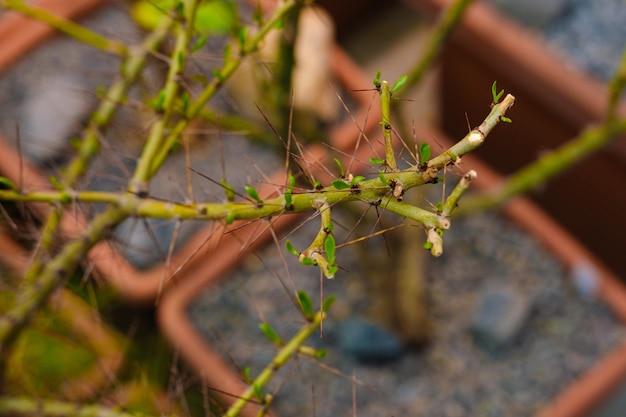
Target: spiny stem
pixel 446 22
pixel 68 27
pixel 385 105
pixel 89 147
pixel 281 358
pixel 230 66
pixel 423 217
pixel 475 138
pixel 374 191
pixel 34 294
pixel 130 69
pixel 166 100
pixel 460 189
pixel 317 247
pixel 546 167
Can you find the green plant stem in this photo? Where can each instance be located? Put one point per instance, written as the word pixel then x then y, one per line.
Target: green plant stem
pixel 545 168
pixel 51 408
pixel 462 186
pixel 34 294
pixel 373 191
pixel 130 69
pixel 316 248
pixel 385 106
pixel 166 106
pixel 281 358
pixel 280 85
pixel 476 137
pixel 68 27
pixel 446 22
pixel 229 67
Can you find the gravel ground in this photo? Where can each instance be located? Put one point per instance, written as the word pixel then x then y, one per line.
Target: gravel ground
pixel 563 336
pixel 591 34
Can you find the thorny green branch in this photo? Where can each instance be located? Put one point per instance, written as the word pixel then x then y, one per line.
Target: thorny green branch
pixel 282 357
pixel 373 191
pixel 317 248
pixel 63 265
pixel 555 162
pixel 53 273
pixel 446 22
pixel 385 105
pixel 165 102
pixel 221 76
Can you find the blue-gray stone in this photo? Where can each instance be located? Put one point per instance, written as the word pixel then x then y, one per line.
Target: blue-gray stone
pixel 586 279
pixel 367 342
pixel 498 318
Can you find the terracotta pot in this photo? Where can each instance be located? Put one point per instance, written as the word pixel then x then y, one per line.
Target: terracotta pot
pixel 555 102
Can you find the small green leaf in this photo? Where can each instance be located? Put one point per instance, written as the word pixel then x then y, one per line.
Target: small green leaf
pixel 332 271
pixel 340 165
pixel 217 73
pixel 228 189
pixel 340 184
pixel 246 375
pixel 228 51
pixel 257 16
pixel 230 218
pixel 317 185
pixel 185 101
pixel 505 119
pixel 357 180
pixel 243 36
pixel 291 249
pixel 494 94
pixel 329 248
pixel 330 226
pixel 252 193
pixel 288 196
pixel 270 334
pixel 305 304
pixel 307 261
pixel 328 302
pixel 289 191
pixel 180 8
pixel 56 183
pixel 376 161
pixel 258 392
pixel 383 179
pixel 377 80
pixel 424 151
pixel 320 353
pixel 427 245
pixel 399 83
pixel 199 43
pixel 158 102
pixel 8 183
